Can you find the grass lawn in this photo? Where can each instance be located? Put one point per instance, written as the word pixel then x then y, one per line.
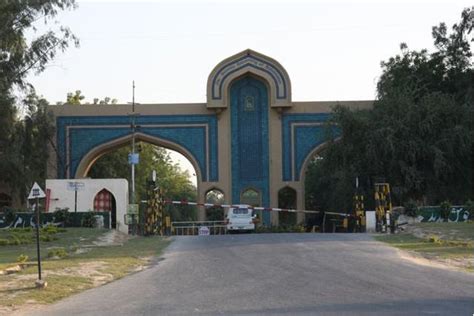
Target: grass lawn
pixel 437 241
pixel 86 265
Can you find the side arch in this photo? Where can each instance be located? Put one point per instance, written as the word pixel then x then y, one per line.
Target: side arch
pixel 307 160
pixel 88 159
pixel 248 61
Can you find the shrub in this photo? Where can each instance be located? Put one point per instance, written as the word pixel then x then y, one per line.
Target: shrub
pixel 50 230
pixel 434 239
pixel 411 208
pixel 445 210
pixel 88 219
pixel 10 215
pixel 57 252
pixel 22 258
pixel 3 242
pixel 469 206
pixel 61 215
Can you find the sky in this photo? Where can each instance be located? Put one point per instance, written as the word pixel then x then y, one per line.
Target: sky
pixel 331 49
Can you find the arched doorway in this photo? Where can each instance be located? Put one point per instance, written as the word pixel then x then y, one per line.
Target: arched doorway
pixel 215 213
pixel 287 200
pixel 104 201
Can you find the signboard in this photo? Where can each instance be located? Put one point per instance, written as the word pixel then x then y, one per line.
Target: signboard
pixel 75 186
pixel 36 192
pixel 133 159
pixel 132 209
pixel 203 231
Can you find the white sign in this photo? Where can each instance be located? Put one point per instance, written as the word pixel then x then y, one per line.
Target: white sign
pixel 36 192
pixel 203 231
pixel 75 186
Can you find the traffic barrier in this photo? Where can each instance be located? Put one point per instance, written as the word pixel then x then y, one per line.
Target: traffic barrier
pixel 256 208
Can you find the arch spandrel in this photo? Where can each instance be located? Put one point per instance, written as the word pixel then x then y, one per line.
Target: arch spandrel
pixel 245 62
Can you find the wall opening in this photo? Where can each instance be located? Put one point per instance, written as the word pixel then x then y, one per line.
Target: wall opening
pixel 175 174
pixel 215 213
pixel 104 201
pixel 287 199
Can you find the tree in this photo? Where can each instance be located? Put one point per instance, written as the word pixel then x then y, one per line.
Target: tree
pixel 22 156
pixel 418 136
pixel 18 55
pixel 74 98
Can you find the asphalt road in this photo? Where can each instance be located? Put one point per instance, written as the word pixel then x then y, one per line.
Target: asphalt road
pixel 279 274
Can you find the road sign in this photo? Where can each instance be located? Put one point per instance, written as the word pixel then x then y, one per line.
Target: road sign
pixel 36 192
pixel 75 186
pixel 203 231
pixel 132 209
pixel 133 159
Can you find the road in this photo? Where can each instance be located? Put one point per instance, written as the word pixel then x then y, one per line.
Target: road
pixel 279 274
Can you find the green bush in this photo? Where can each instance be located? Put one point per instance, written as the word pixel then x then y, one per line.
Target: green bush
pixel 61 215
pixel 4 242
pixel 50 230
pixel 88 219
pixel 445 210
pixel 469 206
pixel 411 208
pixel 22 258
pixel 10 215
pixel 434 239
pixel 57 252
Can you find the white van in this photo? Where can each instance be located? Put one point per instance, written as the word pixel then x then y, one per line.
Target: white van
pixel 240 218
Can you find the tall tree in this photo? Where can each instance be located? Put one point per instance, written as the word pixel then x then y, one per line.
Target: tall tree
pixel 419 135
pixel 20 55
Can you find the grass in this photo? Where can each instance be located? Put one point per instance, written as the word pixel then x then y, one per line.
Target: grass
pixel 75 272
pixel 440 241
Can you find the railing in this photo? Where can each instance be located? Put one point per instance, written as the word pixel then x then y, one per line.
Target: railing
pixel 191 228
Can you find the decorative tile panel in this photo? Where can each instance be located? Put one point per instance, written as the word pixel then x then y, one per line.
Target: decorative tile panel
pixel 250 148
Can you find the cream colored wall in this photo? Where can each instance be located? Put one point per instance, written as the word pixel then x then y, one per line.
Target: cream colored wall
pixel 62 198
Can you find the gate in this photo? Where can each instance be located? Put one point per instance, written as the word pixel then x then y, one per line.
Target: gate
pixel 191 228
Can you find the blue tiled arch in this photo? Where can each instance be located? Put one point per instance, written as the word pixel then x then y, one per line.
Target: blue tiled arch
pixel 81 134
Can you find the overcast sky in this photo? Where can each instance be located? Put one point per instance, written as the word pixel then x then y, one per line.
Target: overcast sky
pixel 331 49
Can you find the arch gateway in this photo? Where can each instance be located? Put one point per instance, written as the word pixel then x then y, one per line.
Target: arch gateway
pixel 249 135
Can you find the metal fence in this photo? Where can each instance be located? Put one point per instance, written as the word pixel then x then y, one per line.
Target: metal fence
pixel 191 228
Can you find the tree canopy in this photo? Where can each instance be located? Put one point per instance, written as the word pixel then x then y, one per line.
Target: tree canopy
pixel 23 138
pixel 418 136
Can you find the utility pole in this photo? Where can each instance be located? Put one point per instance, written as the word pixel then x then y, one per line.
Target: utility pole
pixel 133 159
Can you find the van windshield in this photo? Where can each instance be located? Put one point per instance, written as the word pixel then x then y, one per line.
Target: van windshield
pixel 240 211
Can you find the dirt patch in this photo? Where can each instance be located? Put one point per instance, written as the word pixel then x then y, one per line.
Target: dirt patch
pixel 94 271
pixel 112 238
pixel 449 264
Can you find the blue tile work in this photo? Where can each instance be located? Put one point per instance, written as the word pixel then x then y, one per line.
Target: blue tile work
pixel 84 137
pixel 306 138
pixel 250 151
